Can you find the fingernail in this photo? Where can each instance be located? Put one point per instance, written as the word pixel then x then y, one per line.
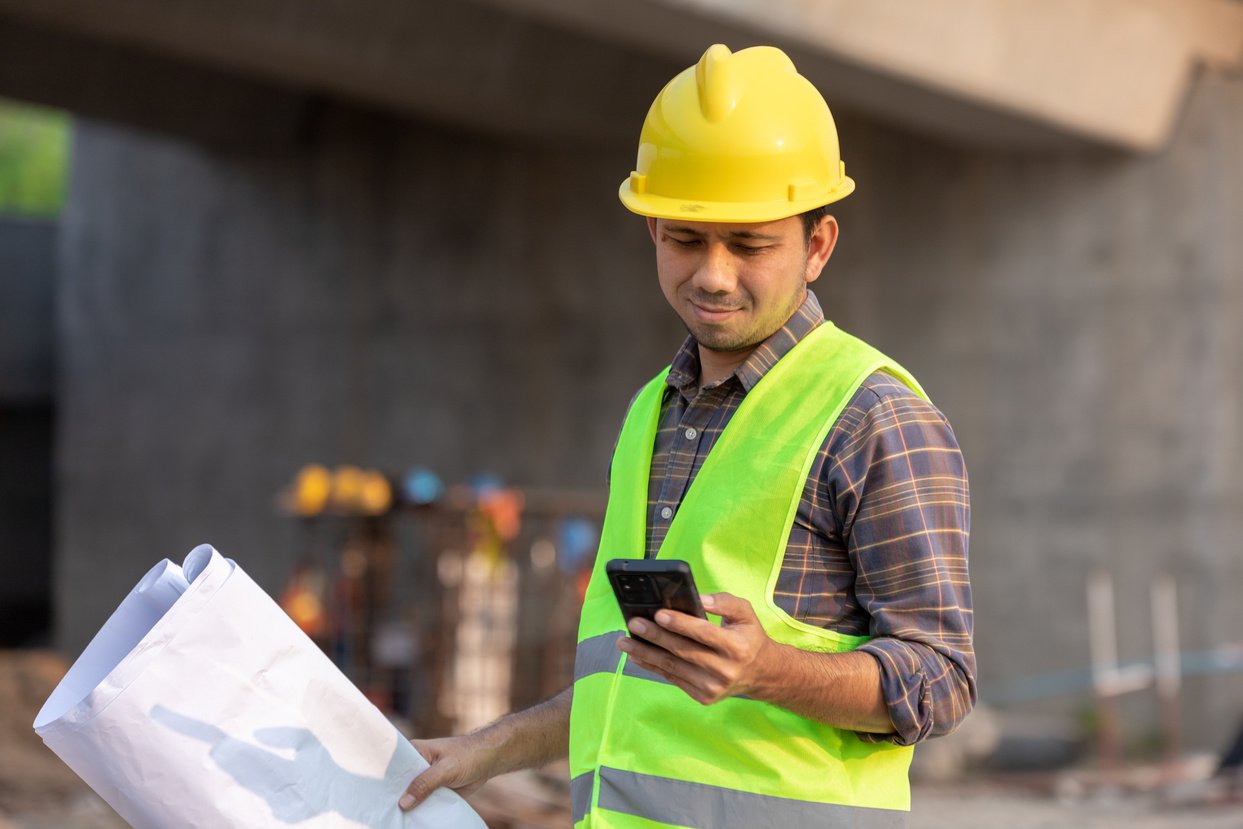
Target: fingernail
pixel 638 626
pixel 624 644
pixel 663 618
pixel 708 601
pixel 407 800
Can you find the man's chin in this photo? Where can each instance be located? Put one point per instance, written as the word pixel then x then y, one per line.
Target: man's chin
pixel 726 342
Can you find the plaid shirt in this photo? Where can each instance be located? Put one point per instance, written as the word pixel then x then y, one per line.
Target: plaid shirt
pixel 879 544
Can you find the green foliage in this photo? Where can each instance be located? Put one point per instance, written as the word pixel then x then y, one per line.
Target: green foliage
pixel 34 156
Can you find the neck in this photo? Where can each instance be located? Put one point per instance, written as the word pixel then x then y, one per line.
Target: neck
pixel 715 366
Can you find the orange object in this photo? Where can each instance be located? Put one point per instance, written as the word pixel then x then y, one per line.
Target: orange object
pixel 303 600
pixel 503 510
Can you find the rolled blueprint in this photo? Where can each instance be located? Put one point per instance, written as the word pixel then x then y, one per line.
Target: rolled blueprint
pixel 201 704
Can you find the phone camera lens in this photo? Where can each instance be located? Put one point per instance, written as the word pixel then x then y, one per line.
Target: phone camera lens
pixel 637 589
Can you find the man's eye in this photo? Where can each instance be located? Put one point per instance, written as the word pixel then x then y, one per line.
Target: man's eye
pixel 752 250
pixel 686 243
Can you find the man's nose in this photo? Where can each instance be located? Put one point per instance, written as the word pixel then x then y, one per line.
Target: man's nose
pixel 717 272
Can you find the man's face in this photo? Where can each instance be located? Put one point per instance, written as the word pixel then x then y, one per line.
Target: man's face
pixel 733 285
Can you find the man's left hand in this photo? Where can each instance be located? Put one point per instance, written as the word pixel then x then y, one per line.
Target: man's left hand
pixel 708 662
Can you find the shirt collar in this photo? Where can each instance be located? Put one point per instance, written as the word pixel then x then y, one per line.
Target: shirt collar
pixel 684 372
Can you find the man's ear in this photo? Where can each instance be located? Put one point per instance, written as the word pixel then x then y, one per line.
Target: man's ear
pixel 820 247
pixel 651 227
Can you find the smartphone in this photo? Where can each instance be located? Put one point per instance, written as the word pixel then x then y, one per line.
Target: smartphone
pixel 644 586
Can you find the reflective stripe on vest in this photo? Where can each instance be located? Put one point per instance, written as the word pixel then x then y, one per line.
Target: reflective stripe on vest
pixel 638 744
pixel 599 655
pixel 703 806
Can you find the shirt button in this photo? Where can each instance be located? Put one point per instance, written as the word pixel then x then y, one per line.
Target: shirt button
pixel 666 513
pixel 691 433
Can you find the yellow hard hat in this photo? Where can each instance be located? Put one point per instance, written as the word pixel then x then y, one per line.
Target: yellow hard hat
pixel 347 487
pixel 311 490
pixel 376 495
pixel 737 138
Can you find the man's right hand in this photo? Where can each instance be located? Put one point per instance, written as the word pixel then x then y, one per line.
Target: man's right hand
pixel 459 763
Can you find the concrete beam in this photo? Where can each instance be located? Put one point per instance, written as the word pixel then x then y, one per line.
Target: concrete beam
pixel 148 90
pixel 1112 72
pixel 1035 73
pixel 455 62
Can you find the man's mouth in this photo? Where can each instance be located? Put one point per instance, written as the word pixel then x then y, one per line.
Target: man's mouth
pixel 713 313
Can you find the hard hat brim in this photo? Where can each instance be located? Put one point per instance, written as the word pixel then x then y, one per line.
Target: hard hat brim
pixel 664 207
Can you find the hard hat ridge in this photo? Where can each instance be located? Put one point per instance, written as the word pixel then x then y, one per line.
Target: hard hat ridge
pixel 716 83
pixel 738 137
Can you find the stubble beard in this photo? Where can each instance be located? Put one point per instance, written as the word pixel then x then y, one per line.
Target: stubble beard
pixel 727 342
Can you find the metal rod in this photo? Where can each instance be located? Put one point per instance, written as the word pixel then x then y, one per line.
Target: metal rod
pixel 1103 637
pixel 1167 662
pixel 1103 642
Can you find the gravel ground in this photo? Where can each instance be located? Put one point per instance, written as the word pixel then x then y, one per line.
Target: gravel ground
pixel 982 805
pixel 985 806
pixel 85 811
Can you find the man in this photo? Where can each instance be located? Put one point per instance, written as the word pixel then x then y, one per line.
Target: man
pixel 819 498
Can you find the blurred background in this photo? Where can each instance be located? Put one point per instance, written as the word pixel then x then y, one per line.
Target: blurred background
pixel 345 290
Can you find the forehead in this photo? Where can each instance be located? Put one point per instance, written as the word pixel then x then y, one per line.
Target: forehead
pixel 780 229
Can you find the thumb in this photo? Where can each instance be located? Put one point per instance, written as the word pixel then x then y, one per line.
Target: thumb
pixel 428 780
pixel 421 787
pixel 731 609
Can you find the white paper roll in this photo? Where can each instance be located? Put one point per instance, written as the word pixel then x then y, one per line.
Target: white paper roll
pixel 145 605
pixel 222 713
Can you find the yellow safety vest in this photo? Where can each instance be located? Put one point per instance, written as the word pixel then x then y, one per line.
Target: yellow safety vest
pixel 642 752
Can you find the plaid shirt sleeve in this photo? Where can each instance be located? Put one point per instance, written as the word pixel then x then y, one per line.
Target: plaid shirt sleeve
pixel 902 509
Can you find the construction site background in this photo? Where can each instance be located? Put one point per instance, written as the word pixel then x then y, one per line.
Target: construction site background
pixel 391 243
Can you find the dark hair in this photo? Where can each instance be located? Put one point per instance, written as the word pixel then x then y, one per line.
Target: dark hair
pixel 811 219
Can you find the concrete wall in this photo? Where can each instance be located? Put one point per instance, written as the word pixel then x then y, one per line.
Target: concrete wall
pixel 382 293
pixel 1080 319
pixel 387 293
